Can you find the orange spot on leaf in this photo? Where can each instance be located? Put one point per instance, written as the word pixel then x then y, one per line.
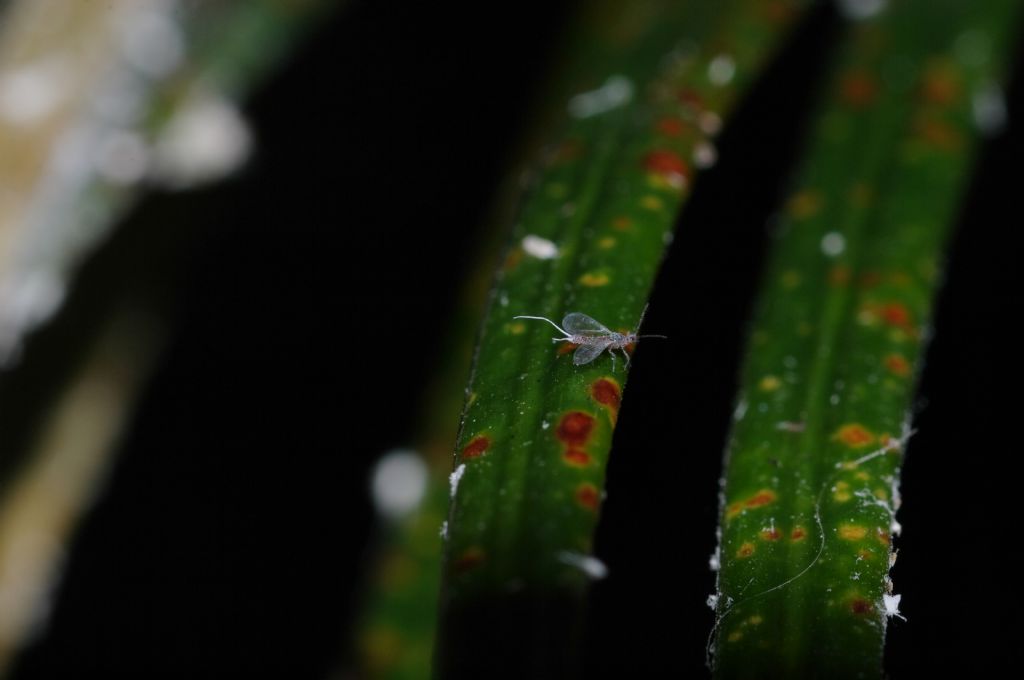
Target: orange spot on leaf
pixel 770 534
pixel 476 447
pixel 759 499
pixel 566 348
pixel 897 365
pixel 941 84
pixel 622 223
pixel 854 435
pixel 799 533
pixel 588 496
pixel 576 458
pixel 746 550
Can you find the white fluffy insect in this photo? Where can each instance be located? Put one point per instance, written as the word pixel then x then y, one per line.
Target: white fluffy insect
pixel 592 337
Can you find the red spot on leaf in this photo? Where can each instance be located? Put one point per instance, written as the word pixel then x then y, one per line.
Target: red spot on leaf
pixel 515 256
pixel 896 314
pixel 476 447
pixel 670 127
pixel 798 534
pixel 870 279
pixel 937 133
pixel 858 88
pixel 667 164
pixel 771 534
pixel 778 11
pixel 575 428
pixel 839 275
pixel 690 99
pixel 860 606
pixel 569 150
pixel 607 392
pixel 470 559
pixel 588 496
pixel 576 457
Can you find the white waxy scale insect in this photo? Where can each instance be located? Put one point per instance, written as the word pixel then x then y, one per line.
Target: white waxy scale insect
pixel 592 337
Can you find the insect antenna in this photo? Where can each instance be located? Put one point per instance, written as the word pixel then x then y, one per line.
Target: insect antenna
pixel 641 322
pixel 544 318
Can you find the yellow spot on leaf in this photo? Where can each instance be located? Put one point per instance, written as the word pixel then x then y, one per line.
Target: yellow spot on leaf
pixel 755 620
pixel 379 648
pixel 841 492
pixel 790 279
pixel 769 383
pixel 670 182
pixel 517 328
pixel 594 279
pixel 557 190
pixel 606 243
pixel 804 204
pixel 652 203
pixel 839 275
pixel 854 435
pixel 860 195
pixel 735 636
pixel 852 532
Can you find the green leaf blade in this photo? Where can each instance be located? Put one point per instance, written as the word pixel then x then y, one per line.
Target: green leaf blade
pixel 813 462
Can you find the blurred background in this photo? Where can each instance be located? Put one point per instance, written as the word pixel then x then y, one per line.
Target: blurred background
pixel 192 401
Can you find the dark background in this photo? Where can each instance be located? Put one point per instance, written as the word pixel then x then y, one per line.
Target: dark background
pixel 310 295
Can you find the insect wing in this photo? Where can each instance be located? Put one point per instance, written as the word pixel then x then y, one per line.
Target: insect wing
pixel 584 354
pixel 576 323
